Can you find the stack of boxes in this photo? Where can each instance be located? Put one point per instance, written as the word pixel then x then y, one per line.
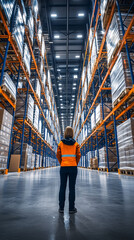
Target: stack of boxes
pixel 125 133
pixel 103 157
pixel 9 85
pixel 5 132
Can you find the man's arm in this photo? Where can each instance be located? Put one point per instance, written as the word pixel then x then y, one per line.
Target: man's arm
pixel 58 155
pixel 78 153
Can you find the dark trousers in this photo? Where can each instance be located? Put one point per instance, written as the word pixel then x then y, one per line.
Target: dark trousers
pixel 65 173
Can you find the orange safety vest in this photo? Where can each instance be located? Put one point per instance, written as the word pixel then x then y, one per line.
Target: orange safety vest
pixel 68 154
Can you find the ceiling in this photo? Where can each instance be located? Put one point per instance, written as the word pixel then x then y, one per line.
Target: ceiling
pixel 66 34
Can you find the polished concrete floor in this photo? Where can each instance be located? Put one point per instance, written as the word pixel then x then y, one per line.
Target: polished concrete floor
pixel 29 204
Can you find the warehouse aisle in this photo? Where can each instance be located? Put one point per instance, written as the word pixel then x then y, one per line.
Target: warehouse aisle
pixel 29 204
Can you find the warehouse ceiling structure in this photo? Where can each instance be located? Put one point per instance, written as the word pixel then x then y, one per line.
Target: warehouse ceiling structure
pixel 65 24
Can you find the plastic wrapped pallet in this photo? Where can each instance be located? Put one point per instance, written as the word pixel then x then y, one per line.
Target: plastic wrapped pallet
pixel 93 55
pixel 23 11
pixel 43 47
pixel 35 8
pixel 125 133
pixel 103 157
pixel 18 29
pixel 40 126
pixel 30 23
pixel 94 160
pixel 37 161
pixel 7 6
pixel 26 154
pixel 33 161
pixel 105 9
pixel 5 132
pixel 27 58
pixel 88 158
pixel 20 107
pixel 36 117
pixel 120 77
pixel 114 34
pixel 9 85
pixel 39 30
pixel 93 121
pixel 37 87
pixel 99 115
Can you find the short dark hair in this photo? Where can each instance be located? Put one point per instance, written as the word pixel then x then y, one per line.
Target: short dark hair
pixel 69 132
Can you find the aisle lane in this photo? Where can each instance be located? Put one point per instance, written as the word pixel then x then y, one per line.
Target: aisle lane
pixel 29 207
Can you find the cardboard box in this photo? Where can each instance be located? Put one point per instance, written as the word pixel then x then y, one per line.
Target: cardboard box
pixel 5 118
pixel 5 129
pixel 4 148
pixel 14 163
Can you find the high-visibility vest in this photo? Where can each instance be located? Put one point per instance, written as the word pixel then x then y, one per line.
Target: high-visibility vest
pixel 68 154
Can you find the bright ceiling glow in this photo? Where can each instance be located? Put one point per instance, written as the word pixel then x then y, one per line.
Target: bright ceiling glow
pixel 60 88
pixel 73 95
pixel 60 95
pixel 60 84
pixel 74 88
pixel 74 84
pixel 57 56
pixel 58 70
pixel 73 99
pixel 62 107
pixel 53 15
pixel 81 14
pixel 75 69
pixel 79 36
pixel 75 76
pixel 77 56
pixel 56 36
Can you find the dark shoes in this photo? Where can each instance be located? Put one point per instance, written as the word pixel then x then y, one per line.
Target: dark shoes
pixel 73 211
pixel 61 210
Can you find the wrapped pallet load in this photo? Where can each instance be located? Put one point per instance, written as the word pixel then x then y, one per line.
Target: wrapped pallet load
pixel 26 160
pixel 8 8
pixel 27 58
pixel 18 29
pixel 5 133
pixel 99 113
pixel 36 117
pixel 20 108
pixel 39 31
pixel 35 9
pixel 94 160
pixel 120 73
pixel 125 133
pixel 111 155
pixel 33 161
pixel 8 86
pixel 93 121
pixel 30 23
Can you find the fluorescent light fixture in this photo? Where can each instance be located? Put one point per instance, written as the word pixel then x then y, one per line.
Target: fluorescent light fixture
pixel 53 15
pixel 73 95
pixel 56 36
pixel 61 104
pixel 60 88
pixel 74 84
pixel 62 107
pixel 81 14
pixel 75 69
pixel 75 76
pixel 60 95
pixel 79 36
pixel 74 88
pixel 51 42
pixel 77 56
pixel 57 56
pixel 58 70
pixel 73 99
pixel 60 84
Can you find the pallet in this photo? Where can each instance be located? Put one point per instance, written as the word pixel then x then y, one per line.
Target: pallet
pixel 107 13
pixel 114 52
pixel 16 47
pixel 106 170
pixel 122 95
pixel 126 172
pixel 7 92
pixel 91 168
pixel 29 121
pixel 3 171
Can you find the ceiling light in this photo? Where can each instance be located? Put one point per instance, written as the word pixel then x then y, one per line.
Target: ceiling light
pixel 58 70
pixel 77 56
pixel 74 84
pixel 60 84
pixel 56 36
pixel 57 56
pixel 60 95
pixel 73 95
pixel 60 88
pixel 51 42
pixel 61 107
pixel 53 15
pixel 74 88
pixel 79 36
pixel 73 99
pixel 75 69
pixel 81 14
pixel 75 76
pixel 61 104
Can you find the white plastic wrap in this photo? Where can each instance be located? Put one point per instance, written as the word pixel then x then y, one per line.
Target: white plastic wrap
pixel 40 126
pixel 36 117
pixel 125 133
pixel 93 121
pixel 43 47
pixel 103 157
pixel 8 8
pixel 38 88
pixel 30 23
pixel 99 116
pixel 8 83
pixel 33 161
pixel 18 29
pixel 27 58
pixel 120 76
pixel 37 161
pixel 35 8
pixel 39 29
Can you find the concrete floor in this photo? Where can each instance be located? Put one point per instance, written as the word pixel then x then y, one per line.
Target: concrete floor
pixel 29 204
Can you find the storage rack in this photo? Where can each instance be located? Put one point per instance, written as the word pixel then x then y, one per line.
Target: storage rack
pixel 22 129
pixel 105 134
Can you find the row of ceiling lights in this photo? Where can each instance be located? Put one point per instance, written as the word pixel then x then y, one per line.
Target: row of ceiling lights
pixel 80 14
pixel 56 36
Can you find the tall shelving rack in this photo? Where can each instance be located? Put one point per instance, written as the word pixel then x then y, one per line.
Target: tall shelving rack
pixel 99 89
pixel 11 59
